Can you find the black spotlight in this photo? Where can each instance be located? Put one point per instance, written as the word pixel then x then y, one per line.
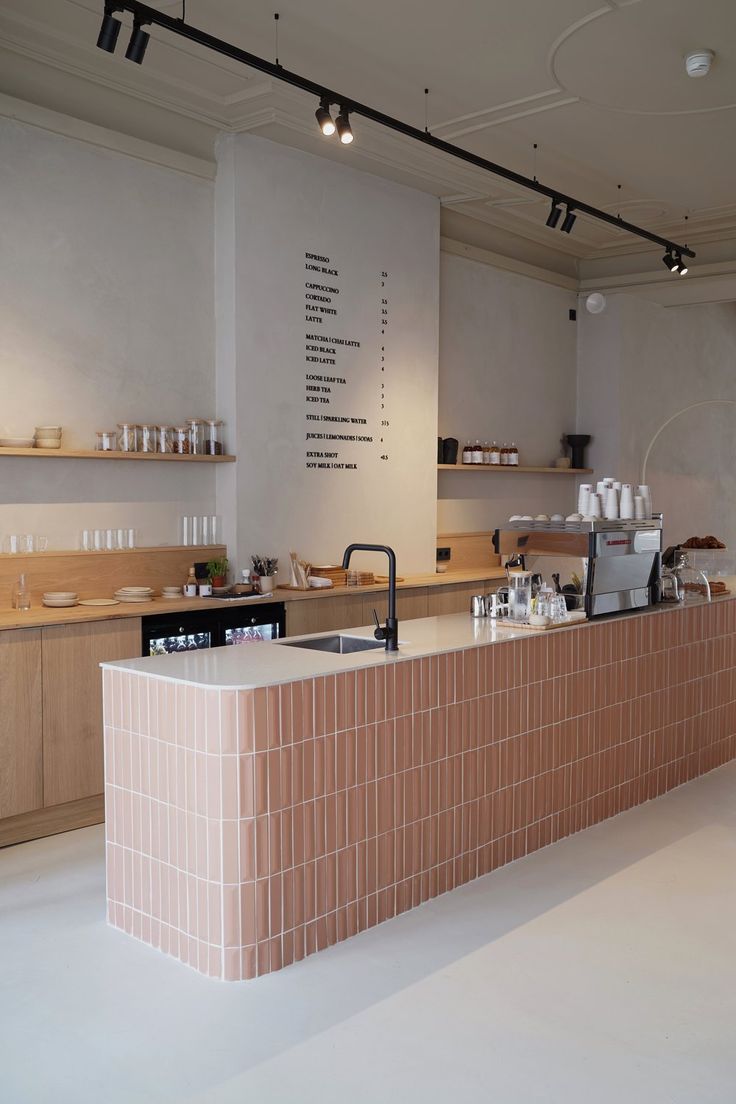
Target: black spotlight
pixel 342 123
pixel 569 221
pixel 107 39
pixel 681 265
pixel 671 263
pixel 137 46
pixel 554 214
pixel 323 117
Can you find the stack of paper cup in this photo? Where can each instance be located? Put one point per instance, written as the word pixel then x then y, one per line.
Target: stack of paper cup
pixel 594 506
pixel 646 495
pixel 600 487
pixel 612 504
pixel 584 492
pixel 626 506
pixel 638 508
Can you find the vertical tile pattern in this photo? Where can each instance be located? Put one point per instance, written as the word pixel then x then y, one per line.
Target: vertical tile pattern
pixel 246 830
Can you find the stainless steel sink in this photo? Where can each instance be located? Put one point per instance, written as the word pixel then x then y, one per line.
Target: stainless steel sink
pixel 339 644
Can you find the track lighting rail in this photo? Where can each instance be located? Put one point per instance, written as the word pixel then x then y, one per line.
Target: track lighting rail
pixel 143 14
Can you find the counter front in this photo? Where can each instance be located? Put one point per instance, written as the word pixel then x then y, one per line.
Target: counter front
pixel 265 803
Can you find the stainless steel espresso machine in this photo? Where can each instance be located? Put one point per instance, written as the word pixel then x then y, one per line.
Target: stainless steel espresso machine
pixel 601 566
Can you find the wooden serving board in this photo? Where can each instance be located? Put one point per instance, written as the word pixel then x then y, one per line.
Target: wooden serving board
pixel 545 628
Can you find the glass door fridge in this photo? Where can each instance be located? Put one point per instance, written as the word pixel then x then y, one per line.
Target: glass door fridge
pixel 213 628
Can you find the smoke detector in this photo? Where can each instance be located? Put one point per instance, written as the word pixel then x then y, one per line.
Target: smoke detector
pixel 698 63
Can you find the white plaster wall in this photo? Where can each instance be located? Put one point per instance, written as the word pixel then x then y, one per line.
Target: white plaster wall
pixel 638 364
pixel 275 204
pixel 507 372
pixel 106 315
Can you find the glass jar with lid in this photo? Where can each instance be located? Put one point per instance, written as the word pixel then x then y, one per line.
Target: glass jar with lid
pixel 107 440
pixel 164 438
pixel 147 438
pixel 213 444
pixel 180 440
pixel 520 594
pixel 692 584
pixel 196 436
pixel 128 436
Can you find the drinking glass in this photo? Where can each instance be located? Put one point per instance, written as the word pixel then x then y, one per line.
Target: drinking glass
pixel 85 540
pixel 98 540
pixel 130 538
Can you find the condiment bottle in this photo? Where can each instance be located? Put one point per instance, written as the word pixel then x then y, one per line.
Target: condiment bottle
pixel 504 454
pixel 477 453
pixel 495 454
pixel 467 453
pixel 486 453
pixel 190 586
pixel 514 455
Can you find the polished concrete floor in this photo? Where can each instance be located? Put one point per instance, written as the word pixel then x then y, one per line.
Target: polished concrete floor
pixel 600 969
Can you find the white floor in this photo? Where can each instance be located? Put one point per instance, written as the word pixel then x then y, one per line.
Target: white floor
pixel 602 969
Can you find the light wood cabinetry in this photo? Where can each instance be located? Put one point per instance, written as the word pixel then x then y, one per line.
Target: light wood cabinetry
pixel 72 703
pixel 409 604
pixel 344 611
pixel 21 772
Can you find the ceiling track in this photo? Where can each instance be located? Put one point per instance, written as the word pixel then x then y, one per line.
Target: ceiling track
pixel 144 14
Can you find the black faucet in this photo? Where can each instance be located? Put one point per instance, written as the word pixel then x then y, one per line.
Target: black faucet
pixel 390 631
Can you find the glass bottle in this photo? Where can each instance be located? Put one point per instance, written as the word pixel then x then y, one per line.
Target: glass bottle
pixel 504 454
pixel 495 454
pixel 107 440
pixel 514 455
pixel 213 445
pixel 467 453
pixel 164 436
pixel 21 594
pixel 127 436
pixel 190 586
pixel 477 453
pixel 147 435
pixel 196 436
pixel 486 453
pixel 180 440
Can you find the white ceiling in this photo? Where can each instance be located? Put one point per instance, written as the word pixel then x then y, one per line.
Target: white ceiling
pixel 599 85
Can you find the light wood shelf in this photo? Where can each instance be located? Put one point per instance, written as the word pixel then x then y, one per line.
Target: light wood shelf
pixel 93 454
pixel 509 468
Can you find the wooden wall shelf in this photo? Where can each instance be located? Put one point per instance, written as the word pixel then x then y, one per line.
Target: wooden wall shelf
pixel 93 454
pixel 502 469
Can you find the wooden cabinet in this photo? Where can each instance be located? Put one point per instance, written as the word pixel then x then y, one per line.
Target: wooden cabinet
pixel 454 598
pixel 409 604
pixel 72 702
pixel 315 615
pixel 21 771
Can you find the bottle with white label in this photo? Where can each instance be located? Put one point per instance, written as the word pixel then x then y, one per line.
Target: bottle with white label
pixel 504 454
pixel 205 589
pixel 467 453
pixel 514 455
pixel 495 454
pixel 190 586
pixel 477 453
pixel 486 453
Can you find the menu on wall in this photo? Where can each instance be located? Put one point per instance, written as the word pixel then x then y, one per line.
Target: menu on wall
pixel 347 365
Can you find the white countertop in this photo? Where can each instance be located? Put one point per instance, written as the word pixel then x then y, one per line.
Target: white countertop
pixel 268 663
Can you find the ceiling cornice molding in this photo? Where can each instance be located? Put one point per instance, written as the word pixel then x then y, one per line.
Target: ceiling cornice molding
pixel 55 122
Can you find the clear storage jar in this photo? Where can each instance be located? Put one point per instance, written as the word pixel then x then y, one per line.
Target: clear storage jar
pixel 164 438
pixel 196 436
pixel 520 594
pixel 107 440
pixel 213 444
pixel 180 440
pixel 128 436
pixel 147 438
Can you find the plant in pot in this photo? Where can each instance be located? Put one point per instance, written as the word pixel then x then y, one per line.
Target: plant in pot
pixel 217 571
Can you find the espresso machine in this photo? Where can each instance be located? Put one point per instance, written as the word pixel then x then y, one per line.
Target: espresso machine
pixel 605 566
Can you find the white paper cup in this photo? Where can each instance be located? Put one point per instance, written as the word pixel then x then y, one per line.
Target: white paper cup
pixel 626 505
pixel 638 508
pixel 612 504
pixel 594 506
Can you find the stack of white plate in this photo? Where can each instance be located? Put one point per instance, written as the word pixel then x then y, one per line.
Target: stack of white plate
pixel 134 594
pixel 60 598
pixel 172 592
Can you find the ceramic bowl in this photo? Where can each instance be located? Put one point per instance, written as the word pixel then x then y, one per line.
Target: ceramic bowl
pixel 48 443
pixel 16 442
pixel 61 595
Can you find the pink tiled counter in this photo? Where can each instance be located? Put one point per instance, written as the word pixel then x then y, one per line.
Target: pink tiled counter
pixel 249 828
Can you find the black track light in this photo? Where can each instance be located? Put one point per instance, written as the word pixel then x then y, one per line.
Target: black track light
pixel 554 214
pixel 107 39
pixel 681 265
pixel 137 46
pixel 671 263
pixel 569 221
pixel 342 123
pixel 325 120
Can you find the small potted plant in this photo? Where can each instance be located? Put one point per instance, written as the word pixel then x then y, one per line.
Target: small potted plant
pixel 217 571
pixel 265 567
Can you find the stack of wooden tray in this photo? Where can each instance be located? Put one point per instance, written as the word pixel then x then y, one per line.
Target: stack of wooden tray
pixel 338 575
pixel 361 578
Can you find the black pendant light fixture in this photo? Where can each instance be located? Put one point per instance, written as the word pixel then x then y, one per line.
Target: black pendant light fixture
pixel 144 14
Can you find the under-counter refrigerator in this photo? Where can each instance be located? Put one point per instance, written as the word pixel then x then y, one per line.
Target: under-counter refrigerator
pixel 248 623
